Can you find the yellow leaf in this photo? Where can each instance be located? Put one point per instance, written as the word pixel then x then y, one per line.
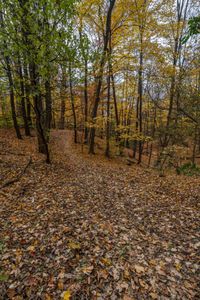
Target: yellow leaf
pixel 178 266
pixel 31 248
pixel 66 295
pixel 74 246
pixel 106 261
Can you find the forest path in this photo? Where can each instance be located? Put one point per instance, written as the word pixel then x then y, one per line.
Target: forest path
pixel 98 228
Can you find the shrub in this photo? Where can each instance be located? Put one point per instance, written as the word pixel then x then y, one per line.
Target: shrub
pixel 188 169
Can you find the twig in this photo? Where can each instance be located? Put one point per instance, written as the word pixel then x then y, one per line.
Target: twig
pixel 11 181
pixel 12 153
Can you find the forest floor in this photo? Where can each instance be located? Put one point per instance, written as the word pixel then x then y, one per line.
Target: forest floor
pixel 94 228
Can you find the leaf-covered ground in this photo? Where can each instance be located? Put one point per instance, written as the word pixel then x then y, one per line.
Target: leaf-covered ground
pixel 93 228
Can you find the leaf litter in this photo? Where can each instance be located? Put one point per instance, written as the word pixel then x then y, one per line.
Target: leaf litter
pixel 88 228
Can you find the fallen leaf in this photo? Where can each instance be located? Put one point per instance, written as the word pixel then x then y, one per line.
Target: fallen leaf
pixel 106 261
pixel 66 295
pixel 3 277
pixel 60 284
pixel 153 295
pixel 139 269
pixel 74 246
pixel 31 248
pixel 126 297
pixel 88 269
pixel 48 297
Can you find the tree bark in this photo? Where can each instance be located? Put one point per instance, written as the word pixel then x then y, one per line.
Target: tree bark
pixel 22 94
pixel 181 8
pixel 48 102
pixel 27 92
pixel 11 83
pixel 72 102
pixel 62 104
pixel 12 98
pixel 86 101
pixel 140 97
pixel 42 143
pixel 107 152
pixel 100 76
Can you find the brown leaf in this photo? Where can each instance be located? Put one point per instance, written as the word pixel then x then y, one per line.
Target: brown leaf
pixel 139 269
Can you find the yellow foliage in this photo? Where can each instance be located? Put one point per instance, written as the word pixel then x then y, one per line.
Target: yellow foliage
pixel 66 295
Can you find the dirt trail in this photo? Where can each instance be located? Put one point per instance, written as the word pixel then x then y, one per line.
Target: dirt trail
pixel 98 228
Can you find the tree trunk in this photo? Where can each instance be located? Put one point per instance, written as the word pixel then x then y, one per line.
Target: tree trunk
pixel 42 143
pixel 22 94
pixel 136 128
pixel 72 102
pixel 27 92
pixel 11 83
pixel 62 95
pixel 115 102
pixel 115 99
pixel 12 98
pixel 86 101
pixel 100 76
pixel 181 10
pixel 140 99
pixel 194 146
pixel 48 102
pixel 171 102
pixel 107 152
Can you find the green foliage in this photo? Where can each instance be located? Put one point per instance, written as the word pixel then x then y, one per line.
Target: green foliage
pixel 193 28
pixel 6 122
pixel 189 169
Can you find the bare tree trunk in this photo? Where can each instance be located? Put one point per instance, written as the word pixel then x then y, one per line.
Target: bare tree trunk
pixel 153 135
pixel 27 92
pixel 12 98
pixel 3 109
pixel 25 33
pixel 107 152
pixel 48 102
pixel 182 7
pixel 115 99
pixel 171 102
pixel 62 95
pixel 72 103
pixel 140 98
pixel 199 140
pixel 100 76
pixel 136 128
pixel 22 94
pixel 194 146
pixel 62 114
pixel 42 143
pixel 86 101
pixel 11 83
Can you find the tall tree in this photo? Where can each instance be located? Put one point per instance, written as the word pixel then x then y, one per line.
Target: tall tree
pixel 100 74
